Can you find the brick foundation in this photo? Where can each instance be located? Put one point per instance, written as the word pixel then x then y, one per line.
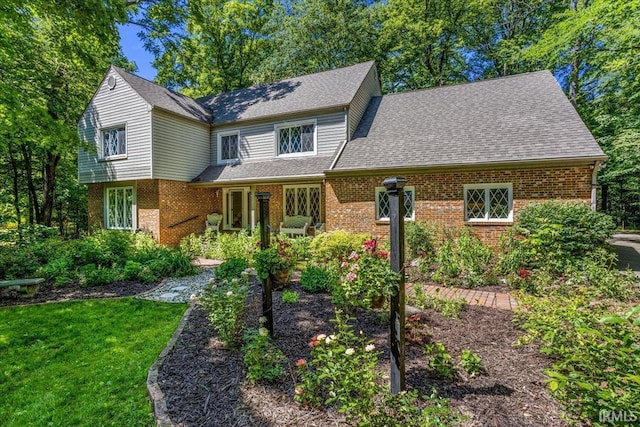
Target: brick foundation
pixel 439 198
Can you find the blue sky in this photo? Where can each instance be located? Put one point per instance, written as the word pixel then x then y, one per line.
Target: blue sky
pixel 134 51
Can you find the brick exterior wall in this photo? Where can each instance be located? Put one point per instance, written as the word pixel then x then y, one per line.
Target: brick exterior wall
pixel 439 198
pixel 96 206
pixel 177 202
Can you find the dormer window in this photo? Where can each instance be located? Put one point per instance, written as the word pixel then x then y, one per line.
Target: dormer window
pixel 296 138
pixel 228 146
pixel 114 143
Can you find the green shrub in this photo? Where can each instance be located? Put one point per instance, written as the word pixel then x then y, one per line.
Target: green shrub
pixel 17 262
pixel 132 270
pixel 341 371
pixel 61 271
pixel 419 237
pixel 231 268
pixel 225 303
pixel 315 279
pixel 28 234
pixel 334 245
pixel 93 275
pixel 439 360
pixel 236 245
pixel 448 263
pixel 471 362
pixel 264 361
pixel 302 246
pixel 290 297
pixel 464 260
pixel 201 245
pixel 555 234
pixel 447 307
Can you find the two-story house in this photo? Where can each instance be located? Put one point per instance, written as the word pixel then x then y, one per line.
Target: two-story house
pixel 322 144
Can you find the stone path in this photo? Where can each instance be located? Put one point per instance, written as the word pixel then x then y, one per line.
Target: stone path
pixel 474 297
pixel 179 290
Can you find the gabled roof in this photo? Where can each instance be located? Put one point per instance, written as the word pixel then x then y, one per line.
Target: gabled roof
pixel 161 97
pixel 328 89
pixel 521 118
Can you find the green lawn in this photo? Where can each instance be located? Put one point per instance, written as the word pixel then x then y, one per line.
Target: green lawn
pixel 81 363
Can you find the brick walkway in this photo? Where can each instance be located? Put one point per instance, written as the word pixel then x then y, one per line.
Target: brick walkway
pixel 474 297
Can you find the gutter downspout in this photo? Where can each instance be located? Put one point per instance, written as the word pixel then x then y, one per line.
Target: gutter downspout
pixel 597 166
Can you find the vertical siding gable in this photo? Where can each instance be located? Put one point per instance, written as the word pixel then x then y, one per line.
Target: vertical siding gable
pixel 257 140
pixel 181 147
pixel 108 108
pixel 370 87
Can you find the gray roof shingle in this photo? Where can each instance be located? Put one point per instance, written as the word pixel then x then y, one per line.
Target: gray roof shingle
pixel 164 98
pixel 519 118
pixel 334 88
pixel 273 168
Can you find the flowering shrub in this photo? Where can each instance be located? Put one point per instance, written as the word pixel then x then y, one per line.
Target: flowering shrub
pixel 225 302
pixel 366 276
pixel 335 245
pixel 263 360
pixel 277 258
pixel 340 372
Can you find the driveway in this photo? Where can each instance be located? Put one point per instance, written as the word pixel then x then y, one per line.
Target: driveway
pixel 627 246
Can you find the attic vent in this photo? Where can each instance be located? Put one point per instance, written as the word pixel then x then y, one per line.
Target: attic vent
pixel 111 82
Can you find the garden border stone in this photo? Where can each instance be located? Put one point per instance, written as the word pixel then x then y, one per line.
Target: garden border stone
pixel 156 395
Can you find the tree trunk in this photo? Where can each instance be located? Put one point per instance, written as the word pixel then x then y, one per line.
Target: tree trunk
pixel 34 209
pixel 49 187
pixel 16 190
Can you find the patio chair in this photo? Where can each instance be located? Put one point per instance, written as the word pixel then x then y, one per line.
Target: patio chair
pixel 213 222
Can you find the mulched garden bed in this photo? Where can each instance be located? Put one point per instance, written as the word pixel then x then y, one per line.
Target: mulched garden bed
pixel 49 293
pixel 204 383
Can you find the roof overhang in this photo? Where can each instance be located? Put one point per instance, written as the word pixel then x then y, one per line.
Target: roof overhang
pixel 261 181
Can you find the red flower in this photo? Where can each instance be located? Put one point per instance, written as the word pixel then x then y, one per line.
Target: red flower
pixel 314 343
pixel 301 362
pixel 370 245
pixel 281 252
pixel 414 318
pixel 383 254
pixel 524 273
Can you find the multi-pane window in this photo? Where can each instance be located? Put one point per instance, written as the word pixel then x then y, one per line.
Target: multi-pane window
pixel 488 202
pixel 114 142
pixel 296 139
pixel 229 146
pixel 119 208
pixel 302 200
pixel 382 203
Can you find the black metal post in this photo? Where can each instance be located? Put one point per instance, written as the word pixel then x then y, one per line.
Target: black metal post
pixel 395 192
pixel 265 240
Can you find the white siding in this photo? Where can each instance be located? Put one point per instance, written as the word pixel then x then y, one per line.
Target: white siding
pixel 257 141
pixel 180 147
pixel 109 108
pixel 370 87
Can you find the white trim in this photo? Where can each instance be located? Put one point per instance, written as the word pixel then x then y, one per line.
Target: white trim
pixel 219 146
pixel 102 130
pixel 284 125
pixel 226 224
pixel 306 186
pixel 487 187
pixel 134 206
pixel 413 203
pixel 340 150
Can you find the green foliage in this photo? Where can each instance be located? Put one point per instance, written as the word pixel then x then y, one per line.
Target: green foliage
pixel 225 303
pixel 464 260
pixel 447 307
pixel 419 237
pixel 60 271
pixel 439 360
pixel 93 275
pixel 336 245
pixel 404 409
pixel 341 371
pixel 366 277
pixel 471 362
pixel 316 279
pixel 219 246
pixel 277 258
pixel 231 268
pixel 302 247
pixel 264 361
pixel 81 362
pixel 556 235
pixel 290 297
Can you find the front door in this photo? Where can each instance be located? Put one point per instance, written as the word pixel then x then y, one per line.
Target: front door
pixel 236 208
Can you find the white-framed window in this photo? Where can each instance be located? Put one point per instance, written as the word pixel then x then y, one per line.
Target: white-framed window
pixel 119 205
pixel 228 146
pixel 488 202
pixel 302 200
pixel 295 139
pixel 382 203
pixel 114 142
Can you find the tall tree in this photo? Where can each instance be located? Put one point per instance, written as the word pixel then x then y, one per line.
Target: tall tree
pixel 308 36
pixel 205 46
pixel 53 53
